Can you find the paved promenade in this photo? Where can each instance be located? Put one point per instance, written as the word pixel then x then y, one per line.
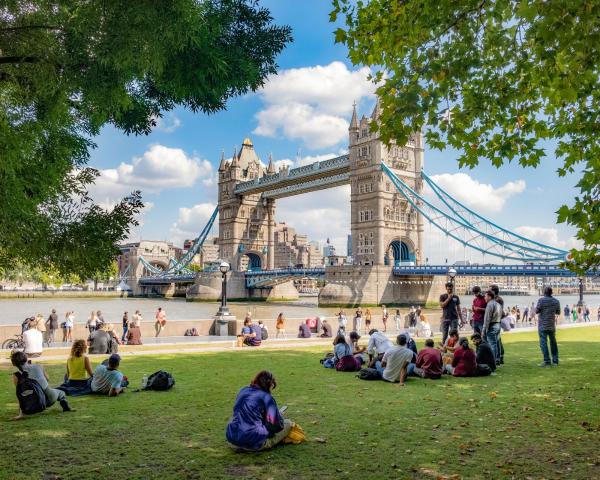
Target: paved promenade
pixel 172 345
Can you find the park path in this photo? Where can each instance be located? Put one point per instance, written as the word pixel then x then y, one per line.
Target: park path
pixel 217 345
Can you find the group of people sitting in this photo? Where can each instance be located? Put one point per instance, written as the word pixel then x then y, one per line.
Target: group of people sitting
pixel 79 378
pixel 394 363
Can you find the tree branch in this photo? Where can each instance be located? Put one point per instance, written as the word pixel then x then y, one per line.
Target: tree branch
pixel 30 27
pixel 18 60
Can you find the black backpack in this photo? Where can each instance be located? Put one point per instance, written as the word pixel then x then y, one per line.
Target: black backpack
pixel 369 374
pixel 32 398
pixel 264 333
pixel 160 380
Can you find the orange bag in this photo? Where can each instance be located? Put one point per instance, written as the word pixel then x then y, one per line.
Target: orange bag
pixel 296 435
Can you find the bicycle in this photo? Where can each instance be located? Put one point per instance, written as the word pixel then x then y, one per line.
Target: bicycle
pixel 14 344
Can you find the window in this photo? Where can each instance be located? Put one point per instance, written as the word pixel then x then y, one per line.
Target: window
pixel 226 234
pixel 365 132
pixel 364 151
pixel 387 186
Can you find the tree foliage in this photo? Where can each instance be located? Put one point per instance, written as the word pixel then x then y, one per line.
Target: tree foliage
pixel 68 68
pixel 497 80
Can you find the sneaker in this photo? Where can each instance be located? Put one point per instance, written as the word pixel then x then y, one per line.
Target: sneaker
pixel 544 364
pixel 555 364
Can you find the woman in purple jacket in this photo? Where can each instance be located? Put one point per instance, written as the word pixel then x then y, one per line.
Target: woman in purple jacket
pixel 257 423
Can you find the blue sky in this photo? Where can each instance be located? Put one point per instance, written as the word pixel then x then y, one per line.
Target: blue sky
pixel 304 109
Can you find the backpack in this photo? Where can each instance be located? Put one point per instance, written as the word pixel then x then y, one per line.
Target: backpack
pixel 264 333
pixel 160 380
pixel 327 357
pixel 483 370
pixel 369 374
pixel 348 363
pixel 32 398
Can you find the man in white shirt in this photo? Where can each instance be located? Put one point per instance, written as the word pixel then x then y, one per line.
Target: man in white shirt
pixel 34 340
pixel 396 364
pixel 379 344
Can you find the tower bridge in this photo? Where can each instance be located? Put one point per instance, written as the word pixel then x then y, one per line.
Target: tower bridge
pixel 388 209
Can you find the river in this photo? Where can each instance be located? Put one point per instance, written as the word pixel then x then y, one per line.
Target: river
pixel 15 310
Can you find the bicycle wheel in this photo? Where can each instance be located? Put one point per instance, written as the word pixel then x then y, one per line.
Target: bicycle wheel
pixel 8 344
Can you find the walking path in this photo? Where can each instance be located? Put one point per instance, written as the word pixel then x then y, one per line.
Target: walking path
pixel 170 345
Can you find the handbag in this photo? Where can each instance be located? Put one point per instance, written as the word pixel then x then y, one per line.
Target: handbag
pixel 295 435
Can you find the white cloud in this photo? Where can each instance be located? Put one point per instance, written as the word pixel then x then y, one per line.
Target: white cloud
pixel 480 196
pixel 311 103
pixel 548 236
pixel 191 221
pixel 157 169
pixel 168 123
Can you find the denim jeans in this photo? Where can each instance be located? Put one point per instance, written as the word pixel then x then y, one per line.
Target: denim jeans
pixel 448 326
pixel 493 338
pixel 544 335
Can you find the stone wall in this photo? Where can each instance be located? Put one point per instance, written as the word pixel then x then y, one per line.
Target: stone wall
pixel 375 285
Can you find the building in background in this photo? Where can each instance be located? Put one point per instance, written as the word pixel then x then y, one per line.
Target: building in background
pixel 328 249
pixel 294 250
pixel 208 254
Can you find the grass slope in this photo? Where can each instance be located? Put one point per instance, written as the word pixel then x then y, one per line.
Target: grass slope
pixel 526 422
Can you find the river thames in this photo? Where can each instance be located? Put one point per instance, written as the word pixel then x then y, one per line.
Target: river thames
pixel 15 310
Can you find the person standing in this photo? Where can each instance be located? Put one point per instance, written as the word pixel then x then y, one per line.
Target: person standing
pixel 491 324
pixel 51 327
pixel 567 313
pixel 91 322
pixel 586 313
pixel 342 322
pixel 358 320
pixel 368 319
pixel 478 308
pixel 125 325
pixel 548 308
pixel 384 317
pixel 280 326
pixel 450 304
pixel 99 319
pixel 161 320
pixel 398 320
pixel 69 324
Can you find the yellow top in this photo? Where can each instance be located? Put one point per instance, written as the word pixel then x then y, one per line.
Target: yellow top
pixel 77 368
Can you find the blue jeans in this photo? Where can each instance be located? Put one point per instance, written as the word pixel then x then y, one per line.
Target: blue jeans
pixel 544 335
pixel 493 338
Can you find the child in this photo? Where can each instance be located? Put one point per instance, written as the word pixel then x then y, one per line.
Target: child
pixel 425 327
pixel 37 373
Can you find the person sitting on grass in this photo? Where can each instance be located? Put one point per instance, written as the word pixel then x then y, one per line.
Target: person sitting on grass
pixel 449 346
pixel 485 355
pixel 396 363
pixel 356 349
pixel 327 329
pixel 79 370
pixel 304 331
pixel 134 334
pixel 257 423
pixel 464 362
pixel 343 356
pixel 251 333
pixel 107 379
pixel 37 373
pixel 378 345
pixel 429 362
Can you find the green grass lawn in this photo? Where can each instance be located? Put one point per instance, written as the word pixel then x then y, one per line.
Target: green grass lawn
pixel 526 422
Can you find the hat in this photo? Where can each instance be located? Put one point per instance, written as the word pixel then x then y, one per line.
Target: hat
pixel 115 358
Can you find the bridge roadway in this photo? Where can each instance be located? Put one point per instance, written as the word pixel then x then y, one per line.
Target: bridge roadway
pixel 265 278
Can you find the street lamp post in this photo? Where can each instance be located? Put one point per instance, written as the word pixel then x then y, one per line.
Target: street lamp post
pixel 223 310
pixel 580 302
pixel 452 275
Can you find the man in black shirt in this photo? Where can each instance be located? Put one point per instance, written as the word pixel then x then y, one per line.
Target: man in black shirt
pixel 485 355
pixel 450 304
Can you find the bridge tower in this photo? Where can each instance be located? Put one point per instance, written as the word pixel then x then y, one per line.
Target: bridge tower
pixel 385 229
pixel 246 223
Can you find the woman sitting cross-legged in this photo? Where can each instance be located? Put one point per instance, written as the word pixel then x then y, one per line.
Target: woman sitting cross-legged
pixel 464 362
pixel 257 423
pixel 79 371
pixel 343 356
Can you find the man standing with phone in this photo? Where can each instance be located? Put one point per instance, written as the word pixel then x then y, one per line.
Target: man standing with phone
pixel 450 304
